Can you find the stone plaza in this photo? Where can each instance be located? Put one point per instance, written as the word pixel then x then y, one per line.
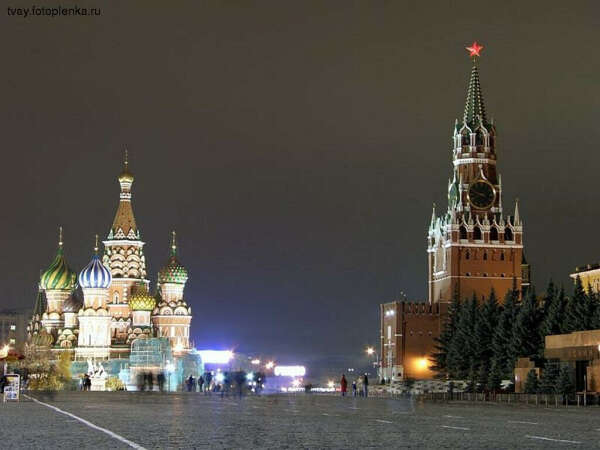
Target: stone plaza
pixel 193 420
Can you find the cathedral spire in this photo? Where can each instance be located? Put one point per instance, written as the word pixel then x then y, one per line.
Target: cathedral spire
pixel 124 226
pixel 173 244
pixel 474 106
pixel 517 219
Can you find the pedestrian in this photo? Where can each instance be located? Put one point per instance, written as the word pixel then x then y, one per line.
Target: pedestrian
pixel 190 383
pixel 343 385
pixel 366 385
pixel 200 383
pixel 354 388
pixel 208 380
pixel 160 379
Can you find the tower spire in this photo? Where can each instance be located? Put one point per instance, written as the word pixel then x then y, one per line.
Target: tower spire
pixel 96 246
pixel 173 243
pixel 474 106
pixel 517 217
pixel 60 237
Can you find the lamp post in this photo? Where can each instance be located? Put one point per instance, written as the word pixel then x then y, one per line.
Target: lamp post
pixel 371 351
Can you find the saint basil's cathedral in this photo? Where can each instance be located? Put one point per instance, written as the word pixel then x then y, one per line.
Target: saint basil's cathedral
pixel 117 307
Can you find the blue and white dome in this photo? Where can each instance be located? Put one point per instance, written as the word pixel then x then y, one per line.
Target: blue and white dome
pixel 95 275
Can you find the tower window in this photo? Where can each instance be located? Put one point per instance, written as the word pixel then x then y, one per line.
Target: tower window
pixel 477 233
pixel 468 255
pixel 508 234
pixel 485 256
pixel 463 232
pixel 494 234
pixel 502 256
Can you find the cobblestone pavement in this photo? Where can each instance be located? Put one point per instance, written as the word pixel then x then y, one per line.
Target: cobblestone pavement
pixel 191 420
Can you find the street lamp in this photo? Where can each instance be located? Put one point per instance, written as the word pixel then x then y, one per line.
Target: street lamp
pixel 371 351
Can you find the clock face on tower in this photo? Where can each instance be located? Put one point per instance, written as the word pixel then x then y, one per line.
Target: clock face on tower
pixel 481 194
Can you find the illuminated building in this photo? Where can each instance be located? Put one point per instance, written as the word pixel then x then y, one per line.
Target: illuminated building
pixel 117 308
pixel 472 247
pixel 589 276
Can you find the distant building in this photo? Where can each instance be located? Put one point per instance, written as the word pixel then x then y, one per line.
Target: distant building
pixel 13 328
pixel 589 276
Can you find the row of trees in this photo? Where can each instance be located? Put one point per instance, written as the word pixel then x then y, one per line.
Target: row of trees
pixel 482 340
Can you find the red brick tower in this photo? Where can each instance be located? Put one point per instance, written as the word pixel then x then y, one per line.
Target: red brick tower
pixel 473 247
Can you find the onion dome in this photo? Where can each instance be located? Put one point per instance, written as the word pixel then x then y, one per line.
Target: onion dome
pixel 73 304
pixel 95 275
pixel 58 275
pixel 126 176
pixel 141 300
pixel 173 272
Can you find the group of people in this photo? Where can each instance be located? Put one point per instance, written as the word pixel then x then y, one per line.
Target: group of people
pixel 85 383
pixel 145 381
pixel 363 381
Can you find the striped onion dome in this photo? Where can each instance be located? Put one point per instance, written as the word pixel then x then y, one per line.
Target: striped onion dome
pixel 173 272
pixel 95 275
pixel 141 300
pixel 58 275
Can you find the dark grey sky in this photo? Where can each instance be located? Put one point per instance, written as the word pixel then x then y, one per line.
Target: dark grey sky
pixel 296 147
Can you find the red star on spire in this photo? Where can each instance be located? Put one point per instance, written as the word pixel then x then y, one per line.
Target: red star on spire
pixel 474 49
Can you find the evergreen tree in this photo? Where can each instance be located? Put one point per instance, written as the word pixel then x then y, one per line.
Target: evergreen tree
pixel 526 340
pixel 486 326
pixel 471 381
pixel 554 314
pixel 549 378
pixel 462 354
pixel 564 385
pixel 494 382
pixel 442 344
pixel 503 334
pixel 531 383
pixel 576 309
pixel 482 377
pixel 549 298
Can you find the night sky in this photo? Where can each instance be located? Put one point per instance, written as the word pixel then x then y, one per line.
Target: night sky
pixel 296 147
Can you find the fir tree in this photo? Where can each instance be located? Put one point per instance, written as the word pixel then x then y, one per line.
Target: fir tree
pixel 494 382
pixel 462 355
pixel 503 334
pixel 486 326
pixel 482 377
pixel 531 383
pixel 443 343
pixel 526 340
pixel 549 378
pixel 564 385
pixel 576 310
pixel 554 315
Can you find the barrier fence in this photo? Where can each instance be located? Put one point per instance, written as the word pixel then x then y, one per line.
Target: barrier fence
pixel 545 400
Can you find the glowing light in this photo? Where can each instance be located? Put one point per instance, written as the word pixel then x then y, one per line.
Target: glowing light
pixel 330 384
pixel 250 376
pixel 178 348
pixel 474 49
pixel 220 377
pixel 296 383
pixel 216 356
pixel 422 363
pixel 290 371
pixel 255 362
pixel 390 312
pixel 370 351
pixel 4 351
pixel 270 364
pixel 170 367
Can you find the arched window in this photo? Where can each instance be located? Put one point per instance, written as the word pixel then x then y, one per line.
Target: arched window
pixel 502 256
pixel 468 255
pixel 116 297
pixel 485 256
pixel 463 232
pixel 477 233
pixel 494 234
pixel 508 234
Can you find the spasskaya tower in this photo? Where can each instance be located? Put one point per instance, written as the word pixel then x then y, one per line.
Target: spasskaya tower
pixel 474 246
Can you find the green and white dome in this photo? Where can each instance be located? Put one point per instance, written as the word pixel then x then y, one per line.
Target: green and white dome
pixel 59 275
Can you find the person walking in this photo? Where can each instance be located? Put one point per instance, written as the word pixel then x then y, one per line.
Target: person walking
pixel 200 383
pixel 343 385
pixel 366 385
pixel 354 388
